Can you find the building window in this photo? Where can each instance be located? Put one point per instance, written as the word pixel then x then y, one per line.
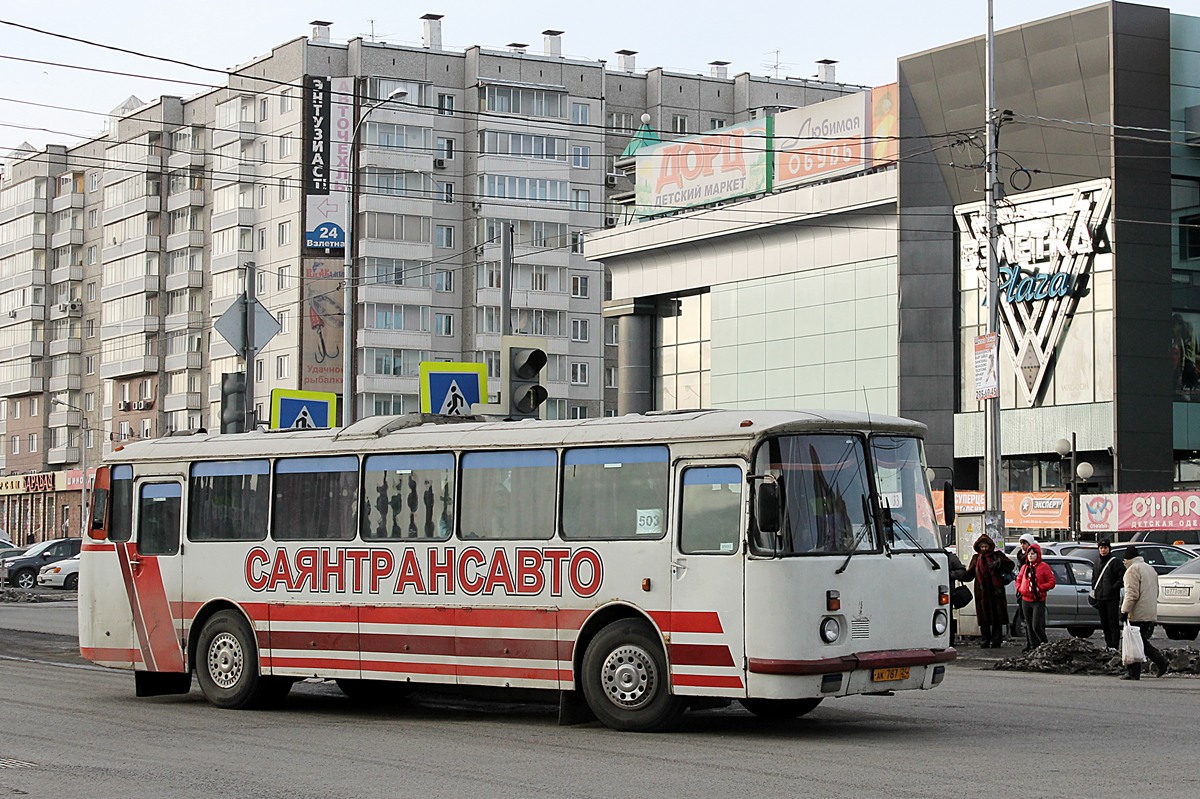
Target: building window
pixel 93 219
pixel 262 239
pixel 446 191
pixel 33 407
pixel 444 281
pixel 579 412
pixel 610 377
pixel 443 324
pixel 285 233
pixel 579 286
pixel 146 430
pixel 581 156
pixel 446 104
pixel 285 101
pixel 579 374
pixel 579 113
pixel 576 242
pixel 611 338
pixel 285 146
pixel 259 370
pixel 285 321
pixel 716 122
pixel 281 278
pixel 91 258
pixel 89 328
pixel 91 292
pixel 285 190
pixel 679 123
pixel 281 367
pixel 1189 238
pixel 262 109
pixel 445 237
pixel 33 442
pixel 579 330
pixel 445 148
pixel 16 445
pixel 580 199
pixel 620 122
pixel 262 196
pixel 90 364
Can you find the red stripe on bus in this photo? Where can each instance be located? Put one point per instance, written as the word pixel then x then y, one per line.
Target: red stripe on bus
pixel 705 681
pixel 313 639
pixel 88 547
pixel 110 654
pixel 437 645
pixel 156 615
pixel 135 609
pixel 309 664
pixel 327 613
pixel 700 655
pixel 687 621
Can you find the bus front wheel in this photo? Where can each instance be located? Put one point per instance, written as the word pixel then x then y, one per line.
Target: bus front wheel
pixel 625 678
pixel 227 664
pixel 780 709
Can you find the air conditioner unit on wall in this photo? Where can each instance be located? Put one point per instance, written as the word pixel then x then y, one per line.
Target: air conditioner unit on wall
pixel 62 307
pixel 145 405
pixel 75 306
pixel 610 180
pixel 122 406
pixel 439 163
pixel 610 221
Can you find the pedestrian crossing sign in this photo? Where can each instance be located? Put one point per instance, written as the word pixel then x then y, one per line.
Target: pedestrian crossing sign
pixel 450 389
pixel 302 410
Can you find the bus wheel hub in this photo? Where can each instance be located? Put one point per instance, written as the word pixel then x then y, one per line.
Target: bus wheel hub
pixel 630 677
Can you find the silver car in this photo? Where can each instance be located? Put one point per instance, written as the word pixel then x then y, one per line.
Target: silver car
pixel 1067 602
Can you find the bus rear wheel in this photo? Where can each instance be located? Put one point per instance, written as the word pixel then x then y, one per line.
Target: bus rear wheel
pixel 780 709
pixel 625 678
pixel 227 665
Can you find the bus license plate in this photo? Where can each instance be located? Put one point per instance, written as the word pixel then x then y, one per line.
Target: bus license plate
pixel 889 675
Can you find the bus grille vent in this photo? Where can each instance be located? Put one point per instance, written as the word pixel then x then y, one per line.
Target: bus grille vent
pixel 860 628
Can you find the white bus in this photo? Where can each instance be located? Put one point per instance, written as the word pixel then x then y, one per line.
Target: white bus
pixel 637 565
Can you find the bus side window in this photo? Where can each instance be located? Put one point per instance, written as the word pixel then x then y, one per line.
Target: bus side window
pixel 159 514
pixel 710 521
pixel 120 520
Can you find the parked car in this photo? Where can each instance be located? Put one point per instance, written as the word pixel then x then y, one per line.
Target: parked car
pixel 1066 603
pixel 64 574
pixel 1189 538
pixel 1163 557
pixel 22 570
pixel 1048 548
pixel 1179 602
pixel 7 552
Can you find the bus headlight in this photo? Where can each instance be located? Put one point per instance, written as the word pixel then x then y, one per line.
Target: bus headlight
pixel 941 622
pixel 831 630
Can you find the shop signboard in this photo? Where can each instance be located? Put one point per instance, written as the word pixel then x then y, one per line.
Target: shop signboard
pixel 699 170
pixel 822 140
pixel 328 130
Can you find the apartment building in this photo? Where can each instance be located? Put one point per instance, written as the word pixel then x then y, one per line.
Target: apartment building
pixel 118 254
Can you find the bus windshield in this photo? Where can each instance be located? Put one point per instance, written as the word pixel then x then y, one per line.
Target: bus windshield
pixel 904 493
pixel 824 493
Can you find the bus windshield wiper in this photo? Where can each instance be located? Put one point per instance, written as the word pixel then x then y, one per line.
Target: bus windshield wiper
pixel 895 525
pixel 866 526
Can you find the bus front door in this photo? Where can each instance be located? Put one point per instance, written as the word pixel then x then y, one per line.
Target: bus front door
pixel 155 565
pixel 707 640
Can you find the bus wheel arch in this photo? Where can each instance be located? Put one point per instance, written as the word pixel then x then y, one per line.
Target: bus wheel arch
pixel 625 676
pixel 225 657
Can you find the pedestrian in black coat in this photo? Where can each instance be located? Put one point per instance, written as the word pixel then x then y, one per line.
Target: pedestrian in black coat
pixel 1106 591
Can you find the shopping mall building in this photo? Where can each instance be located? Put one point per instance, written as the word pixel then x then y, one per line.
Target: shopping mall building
pixel 856 279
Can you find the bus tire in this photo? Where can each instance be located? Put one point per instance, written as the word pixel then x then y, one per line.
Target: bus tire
pixel 227 663
pixel 780 709
pixel 625 678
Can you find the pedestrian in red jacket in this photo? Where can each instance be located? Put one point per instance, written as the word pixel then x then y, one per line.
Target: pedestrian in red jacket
pixel 1034 581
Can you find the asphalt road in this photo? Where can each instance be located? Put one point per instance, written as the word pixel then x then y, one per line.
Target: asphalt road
pixel 70 729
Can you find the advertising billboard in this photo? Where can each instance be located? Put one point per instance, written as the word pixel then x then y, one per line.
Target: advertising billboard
pixel 328 129
pixel 322 319
pixel 699 170
pixel 822 140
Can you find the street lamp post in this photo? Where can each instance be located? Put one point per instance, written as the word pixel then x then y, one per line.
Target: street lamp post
pixel 1081 472
pixel 83 492
pixel 351 186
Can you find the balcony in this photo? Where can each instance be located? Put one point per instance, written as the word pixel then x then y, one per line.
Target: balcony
pixel 190 401
pixel 181 361
pixel 23 385
pixel 188 279
pixel 240 172
pixel 185 239
pixel 23 350
pixel 129 367
pixel 147 325
pixel 61 383
pixel 67 238
pixel 230 260
pixel 37 241
pixel 227 134
pixel 64 417
pixel 148 204
pixel 60 455
pixel 63 274
pixel 185 199
pixel 146 284
pixel 62 310
pixel 188 320
pixel 25 313
pixel 65 346
pixel 118 250
pixel 64 202
pixel 236 217
pixel 185 159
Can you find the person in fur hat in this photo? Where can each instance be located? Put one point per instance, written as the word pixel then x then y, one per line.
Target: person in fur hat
pixel 987 566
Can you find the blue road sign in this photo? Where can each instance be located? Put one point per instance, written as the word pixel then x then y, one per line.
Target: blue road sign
pixel 300 410
pixel 452 388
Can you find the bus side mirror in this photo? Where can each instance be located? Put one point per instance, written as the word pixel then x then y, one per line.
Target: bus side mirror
pixel 948 502
pixel 766 507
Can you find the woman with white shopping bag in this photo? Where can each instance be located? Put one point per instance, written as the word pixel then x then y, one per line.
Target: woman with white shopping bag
pixel 1139 611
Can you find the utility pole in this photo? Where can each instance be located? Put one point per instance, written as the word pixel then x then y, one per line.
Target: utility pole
pixel 251 351
pixel 993 516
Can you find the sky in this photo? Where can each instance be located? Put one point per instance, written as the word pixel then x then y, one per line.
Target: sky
pixel 774 38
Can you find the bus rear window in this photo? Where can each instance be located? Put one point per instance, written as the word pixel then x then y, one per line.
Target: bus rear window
pixel 614 493
pixel 315 499
pixel 228 501
pixel 408 496
pixel 508 494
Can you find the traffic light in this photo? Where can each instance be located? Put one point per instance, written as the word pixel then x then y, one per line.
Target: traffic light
pixel 233 402
pixel 522 359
